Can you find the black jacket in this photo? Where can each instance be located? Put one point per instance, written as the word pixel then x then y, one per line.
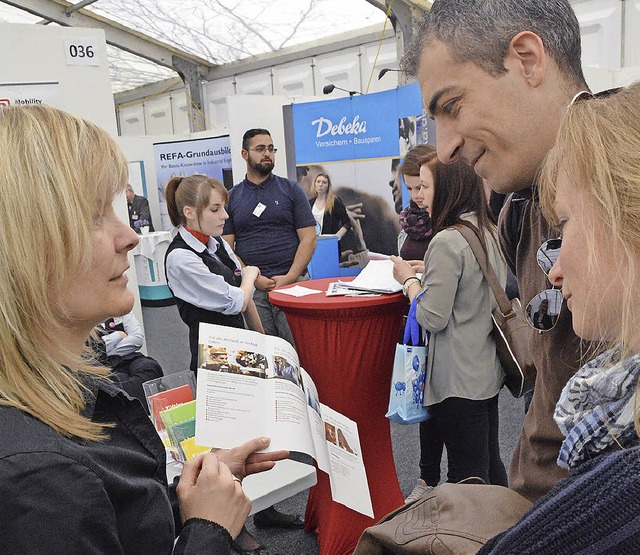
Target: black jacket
pixel 62 495
pixel 139 210
pixel 334 220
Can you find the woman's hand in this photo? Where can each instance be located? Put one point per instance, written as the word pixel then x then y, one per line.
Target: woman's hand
pixel 208 490
pixel 250 278
pixel 402 270
pixel 251 273
pixel 417 265
pixel 243 459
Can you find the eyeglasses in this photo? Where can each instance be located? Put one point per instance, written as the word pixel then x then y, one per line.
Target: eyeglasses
pixel 543 310
pixel 261 149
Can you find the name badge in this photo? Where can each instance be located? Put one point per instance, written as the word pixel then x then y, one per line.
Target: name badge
pixel 258 210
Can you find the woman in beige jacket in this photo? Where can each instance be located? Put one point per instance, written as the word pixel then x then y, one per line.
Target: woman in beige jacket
pixel 454 304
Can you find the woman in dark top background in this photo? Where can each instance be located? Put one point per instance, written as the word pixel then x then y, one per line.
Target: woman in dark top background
pixel 415 222
pixel 328 210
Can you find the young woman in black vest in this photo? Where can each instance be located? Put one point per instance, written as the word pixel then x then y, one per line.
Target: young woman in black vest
pixel 210 286
pixel 202 272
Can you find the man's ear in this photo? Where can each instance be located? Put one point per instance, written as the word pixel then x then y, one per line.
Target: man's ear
pixel 245 154
pixel 527 56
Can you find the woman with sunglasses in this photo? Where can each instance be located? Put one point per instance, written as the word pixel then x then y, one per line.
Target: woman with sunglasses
pixel 82 469
pixel 454 304
pixel 590 186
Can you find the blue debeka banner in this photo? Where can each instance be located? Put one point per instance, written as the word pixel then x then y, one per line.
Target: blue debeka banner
pixel 359 141
pixel 378 125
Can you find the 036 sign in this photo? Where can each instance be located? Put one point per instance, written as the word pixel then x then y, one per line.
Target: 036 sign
pixel 82 51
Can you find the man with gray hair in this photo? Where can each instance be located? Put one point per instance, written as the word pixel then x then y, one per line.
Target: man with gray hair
pixel 497 77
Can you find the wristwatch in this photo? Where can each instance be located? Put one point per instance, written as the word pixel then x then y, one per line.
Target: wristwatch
pixel 407 283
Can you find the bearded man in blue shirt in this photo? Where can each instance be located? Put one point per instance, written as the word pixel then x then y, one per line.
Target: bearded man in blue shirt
pixel 270 226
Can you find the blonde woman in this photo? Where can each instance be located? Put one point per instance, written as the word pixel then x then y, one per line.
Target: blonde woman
pixel 328 210
pixel 590 186
pixel 81 467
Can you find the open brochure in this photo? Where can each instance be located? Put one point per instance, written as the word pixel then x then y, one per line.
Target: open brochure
pixel 251 385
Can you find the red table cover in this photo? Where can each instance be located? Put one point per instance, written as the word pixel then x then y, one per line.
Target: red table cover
pixel 347 344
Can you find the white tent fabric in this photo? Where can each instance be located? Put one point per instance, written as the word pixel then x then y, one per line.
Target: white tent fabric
pixel 221 31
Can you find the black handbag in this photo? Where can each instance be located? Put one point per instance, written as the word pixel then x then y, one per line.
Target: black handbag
pixel 511 332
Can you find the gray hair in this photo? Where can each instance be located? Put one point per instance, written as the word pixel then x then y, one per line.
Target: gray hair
pixel 480 31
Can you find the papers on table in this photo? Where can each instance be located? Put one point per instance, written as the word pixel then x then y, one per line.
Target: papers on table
pixel 338 288
pixel 298 291
pixel 376 277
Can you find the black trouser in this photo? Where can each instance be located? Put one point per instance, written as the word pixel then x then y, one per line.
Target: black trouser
pixel 469 430
pixel 431 447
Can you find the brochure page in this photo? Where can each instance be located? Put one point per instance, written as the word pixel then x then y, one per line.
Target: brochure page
pixel 377 277
pixel 348 477
pixel 251 385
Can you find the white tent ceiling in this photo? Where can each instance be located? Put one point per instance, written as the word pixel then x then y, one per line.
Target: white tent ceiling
pixel 219 31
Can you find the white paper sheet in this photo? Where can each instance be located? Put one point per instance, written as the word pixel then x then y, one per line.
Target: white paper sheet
pixel 298 291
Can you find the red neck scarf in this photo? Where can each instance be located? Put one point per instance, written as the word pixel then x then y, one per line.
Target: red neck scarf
pixel 203 238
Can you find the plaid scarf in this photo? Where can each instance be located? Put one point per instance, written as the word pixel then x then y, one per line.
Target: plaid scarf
pixel 415 222
pixel 596 408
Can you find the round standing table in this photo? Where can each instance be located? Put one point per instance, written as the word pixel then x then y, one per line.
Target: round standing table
pixel 347 344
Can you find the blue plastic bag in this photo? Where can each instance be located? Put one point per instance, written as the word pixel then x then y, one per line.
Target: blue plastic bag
pixel 409 373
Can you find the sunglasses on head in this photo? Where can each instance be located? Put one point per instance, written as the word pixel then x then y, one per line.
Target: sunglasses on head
pixel 586 95
pixel 543 310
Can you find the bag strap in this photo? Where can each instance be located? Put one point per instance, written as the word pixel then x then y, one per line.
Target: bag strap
pixel 472 236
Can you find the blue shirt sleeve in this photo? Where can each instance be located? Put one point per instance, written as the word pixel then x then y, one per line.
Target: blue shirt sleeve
pixel 229 227
pixel 191 281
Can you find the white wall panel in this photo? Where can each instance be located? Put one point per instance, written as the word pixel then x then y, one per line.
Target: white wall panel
pixel 626 76
pixel 255 82
pixel 157 115
pixel 601 31
pixel 216 108
pixel 388 57
pixel 339 68
pixel 294 79
pixel 179 112
pixel 631 34
pixel 131 119
pixel 598 78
